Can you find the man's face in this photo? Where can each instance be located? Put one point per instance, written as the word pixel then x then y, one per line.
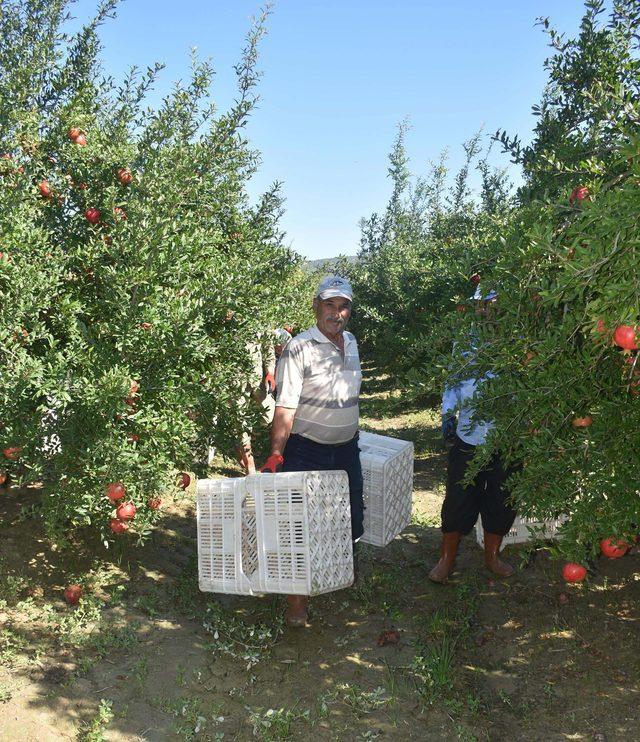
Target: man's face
pixel 332 314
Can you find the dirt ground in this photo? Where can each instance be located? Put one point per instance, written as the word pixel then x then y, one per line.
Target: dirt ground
pixel 146 656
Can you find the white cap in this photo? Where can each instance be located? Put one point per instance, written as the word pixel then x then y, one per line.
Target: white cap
pixel 334 286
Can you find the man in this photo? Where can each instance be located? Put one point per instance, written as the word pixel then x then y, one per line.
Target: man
pixel 260 384
pixel 281 337
pixel 486 495
pixel 315 426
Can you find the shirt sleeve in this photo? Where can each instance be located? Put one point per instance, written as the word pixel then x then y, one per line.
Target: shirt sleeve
pixel 450 399
pixel 289 376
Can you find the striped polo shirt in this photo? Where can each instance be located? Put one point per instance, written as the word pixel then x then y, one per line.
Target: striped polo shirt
pixel 322 386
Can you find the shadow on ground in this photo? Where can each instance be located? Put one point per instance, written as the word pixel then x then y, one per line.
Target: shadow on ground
pixel 147 656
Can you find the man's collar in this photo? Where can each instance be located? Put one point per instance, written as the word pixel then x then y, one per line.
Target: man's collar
pixel 320 337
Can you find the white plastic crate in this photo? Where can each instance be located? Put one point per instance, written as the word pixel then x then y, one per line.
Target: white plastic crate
pixel 227 547
pixel 521 530
pixel 275 533
pixel 387 470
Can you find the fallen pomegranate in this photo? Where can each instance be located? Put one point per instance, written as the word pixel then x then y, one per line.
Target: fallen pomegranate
pixel 573 572
pixel 613 549
pixel 12 452
pixel 72 594
pixel 184 480
pixel 475 279
pixel 154 503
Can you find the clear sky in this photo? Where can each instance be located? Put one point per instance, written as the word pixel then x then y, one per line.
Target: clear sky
pixel 338 76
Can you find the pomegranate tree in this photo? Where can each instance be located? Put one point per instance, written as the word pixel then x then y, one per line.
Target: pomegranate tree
pixel 120 260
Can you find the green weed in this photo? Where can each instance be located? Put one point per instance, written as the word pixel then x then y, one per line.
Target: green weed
pixel 275 724
pixel 361 701
pixel 140 672
pixel 6 693
pixel 11 646
pixel 232 637
pixel 190 720
pixel 432 668
pixel 94 731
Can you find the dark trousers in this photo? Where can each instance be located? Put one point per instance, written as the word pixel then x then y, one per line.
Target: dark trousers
pixel 485 496
pixel 303 454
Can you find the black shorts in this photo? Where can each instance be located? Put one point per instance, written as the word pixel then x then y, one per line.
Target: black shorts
pixel 485 496
pixel 303 454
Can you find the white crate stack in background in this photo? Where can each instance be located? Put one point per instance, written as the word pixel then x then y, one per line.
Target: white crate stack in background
pixel 275 533
pixel 387 470
pixel 524 529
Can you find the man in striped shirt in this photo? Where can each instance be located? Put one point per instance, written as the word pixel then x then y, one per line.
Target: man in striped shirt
pixel 315 426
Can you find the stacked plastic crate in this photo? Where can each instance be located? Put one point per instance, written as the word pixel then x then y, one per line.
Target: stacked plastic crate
pixel 524 529
pixel 277 533
pixel 387 470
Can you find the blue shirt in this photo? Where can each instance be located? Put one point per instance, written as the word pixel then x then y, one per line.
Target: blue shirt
pixel 458 398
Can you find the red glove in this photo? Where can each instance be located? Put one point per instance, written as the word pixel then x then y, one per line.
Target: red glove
pixel 270 382
pixel 273 463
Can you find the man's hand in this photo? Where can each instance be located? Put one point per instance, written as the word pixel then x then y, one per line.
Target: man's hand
pixel 449 423
pixel 270 383
pixel 273 463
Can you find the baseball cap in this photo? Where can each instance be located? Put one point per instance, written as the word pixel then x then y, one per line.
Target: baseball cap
pixel 331 286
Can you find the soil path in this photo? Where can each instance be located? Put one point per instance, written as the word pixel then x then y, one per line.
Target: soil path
pixel 146 656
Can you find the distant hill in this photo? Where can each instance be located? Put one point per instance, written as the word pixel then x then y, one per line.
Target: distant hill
pixel 313 265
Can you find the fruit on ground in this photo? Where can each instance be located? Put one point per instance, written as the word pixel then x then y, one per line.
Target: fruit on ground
pixel 92 215
pixel 154 503
pixel 579 194
pixel 45 189
pixel 72 594
pixel 625 337
pixel 184 480
pixel 12 452
pixel 573 572
pixel 475 279
pixel 613 549
pixel 126 511
pixel 118 526
pixel 115 491
pixel 582 422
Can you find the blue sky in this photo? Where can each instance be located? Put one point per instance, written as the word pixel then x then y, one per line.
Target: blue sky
pixel 338 77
